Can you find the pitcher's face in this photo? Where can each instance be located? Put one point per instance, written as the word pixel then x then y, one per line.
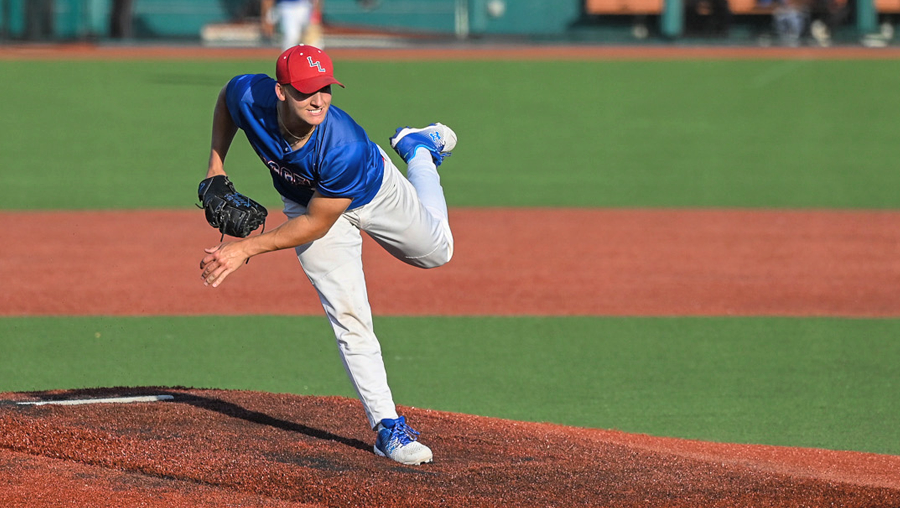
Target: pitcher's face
pixel 309 108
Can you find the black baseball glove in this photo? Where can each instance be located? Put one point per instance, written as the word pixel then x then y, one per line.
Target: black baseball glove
pixel 229 211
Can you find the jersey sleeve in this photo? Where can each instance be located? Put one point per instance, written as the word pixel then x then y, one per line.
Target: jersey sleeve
pixel 239 96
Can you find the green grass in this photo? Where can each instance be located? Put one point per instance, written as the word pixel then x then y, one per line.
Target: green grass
pixel 826 383
pixel 759 133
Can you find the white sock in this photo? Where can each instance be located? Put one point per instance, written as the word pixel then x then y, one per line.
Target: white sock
pixel 423 175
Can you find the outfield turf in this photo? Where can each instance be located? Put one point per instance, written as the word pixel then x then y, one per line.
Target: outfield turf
pixel 767 133
pixel 763 133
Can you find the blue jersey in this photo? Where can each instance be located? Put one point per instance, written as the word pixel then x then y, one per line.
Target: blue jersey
pixel 338 160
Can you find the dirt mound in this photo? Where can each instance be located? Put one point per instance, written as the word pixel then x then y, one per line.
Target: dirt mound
pixel 233 448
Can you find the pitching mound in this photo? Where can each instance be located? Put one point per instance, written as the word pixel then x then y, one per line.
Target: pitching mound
pixel 231 448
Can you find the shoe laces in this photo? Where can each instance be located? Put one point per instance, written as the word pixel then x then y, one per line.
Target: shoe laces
pixel 403 433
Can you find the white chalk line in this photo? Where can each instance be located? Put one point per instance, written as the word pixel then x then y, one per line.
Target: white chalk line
pixel 109 400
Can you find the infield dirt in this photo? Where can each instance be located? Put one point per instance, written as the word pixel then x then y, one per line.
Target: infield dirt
pixel 247 449
pixel 507 262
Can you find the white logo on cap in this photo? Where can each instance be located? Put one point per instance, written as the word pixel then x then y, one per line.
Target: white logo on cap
pixel 315 64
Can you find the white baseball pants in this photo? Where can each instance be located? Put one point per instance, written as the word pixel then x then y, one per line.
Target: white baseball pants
pixel 408 218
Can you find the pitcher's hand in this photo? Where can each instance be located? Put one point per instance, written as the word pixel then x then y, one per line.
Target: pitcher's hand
pixel 220 261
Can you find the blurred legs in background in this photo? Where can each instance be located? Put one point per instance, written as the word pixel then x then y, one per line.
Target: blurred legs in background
pixel 39 19
pixel 790 19
pixel 298 22
pixel 120 19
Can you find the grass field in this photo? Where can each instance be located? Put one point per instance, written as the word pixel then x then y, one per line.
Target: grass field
pixel 767 133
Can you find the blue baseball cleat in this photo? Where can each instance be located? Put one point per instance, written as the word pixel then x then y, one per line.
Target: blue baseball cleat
pixel 398 441
pixel 437 138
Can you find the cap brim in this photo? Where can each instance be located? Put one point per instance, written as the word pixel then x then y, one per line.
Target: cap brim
pixel 313 85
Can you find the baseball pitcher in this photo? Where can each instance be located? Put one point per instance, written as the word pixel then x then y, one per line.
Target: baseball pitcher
pixel 334 182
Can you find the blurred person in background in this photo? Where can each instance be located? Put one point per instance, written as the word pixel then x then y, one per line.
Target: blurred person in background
pixel 39 19
pixel 314 36
pixel 298 21
pixel 120 19
pixel 827 16
pixel 790 18
pixel 710 18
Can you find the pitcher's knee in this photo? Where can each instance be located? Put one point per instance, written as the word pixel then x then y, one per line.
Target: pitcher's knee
pixel 438 257
pixel 440 260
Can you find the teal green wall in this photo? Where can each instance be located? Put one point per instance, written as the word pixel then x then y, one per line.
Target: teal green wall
pixel 160 18
pixel 70 18
pixel 520 17
pixel 74 19
pixel 415 16
pixel 184 19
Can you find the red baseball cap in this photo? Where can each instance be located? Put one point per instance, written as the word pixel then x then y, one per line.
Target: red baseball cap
pixel 306 68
